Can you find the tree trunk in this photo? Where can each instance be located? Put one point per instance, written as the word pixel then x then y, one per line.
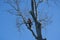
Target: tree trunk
pixel 38 31
pixel 37 24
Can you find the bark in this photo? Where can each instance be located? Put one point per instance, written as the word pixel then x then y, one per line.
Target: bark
pixel 38 30
pixel 37 24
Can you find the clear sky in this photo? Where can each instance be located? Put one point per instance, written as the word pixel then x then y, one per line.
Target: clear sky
pixel 8 29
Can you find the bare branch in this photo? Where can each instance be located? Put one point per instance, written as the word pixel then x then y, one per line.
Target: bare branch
pixel 17 4
pixel 11 5
pixel 11 12
pixel 28 27
pixel 40 1
pixel 32 32
pixel 34 10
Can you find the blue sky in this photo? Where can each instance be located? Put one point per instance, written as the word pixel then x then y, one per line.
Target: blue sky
pixel 8 29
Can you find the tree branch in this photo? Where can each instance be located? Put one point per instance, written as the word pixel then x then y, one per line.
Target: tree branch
pixel 40 1
pixel 11 5
pixel 35 9
pixel 32 32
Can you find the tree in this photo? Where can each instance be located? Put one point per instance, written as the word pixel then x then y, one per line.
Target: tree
pixel 34 14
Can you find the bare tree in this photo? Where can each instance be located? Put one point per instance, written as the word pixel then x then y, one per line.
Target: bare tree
pixel 34 14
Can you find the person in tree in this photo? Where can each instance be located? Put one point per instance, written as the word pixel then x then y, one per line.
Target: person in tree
pixel 29 22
